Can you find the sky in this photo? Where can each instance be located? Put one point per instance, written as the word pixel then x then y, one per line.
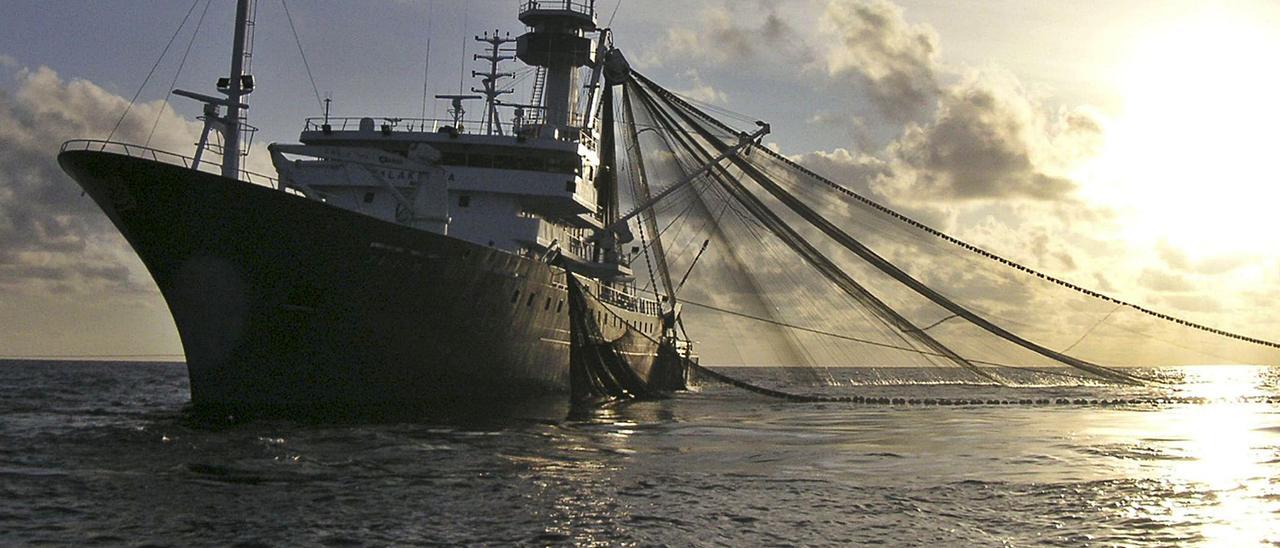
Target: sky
pixel 1124 146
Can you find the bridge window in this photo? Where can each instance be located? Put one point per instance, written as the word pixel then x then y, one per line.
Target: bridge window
pixel 368 197
pixel 464 200
pixel 502 161
pixel 562 165
pixel 529 163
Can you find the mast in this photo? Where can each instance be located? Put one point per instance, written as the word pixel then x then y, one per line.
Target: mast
pixel 235 87
pixel 491 90
pixel 234 91
pixel 607 177
pixel 632 146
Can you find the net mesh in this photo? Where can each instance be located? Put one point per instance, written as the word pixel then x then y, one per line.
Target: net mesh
pixel 775 265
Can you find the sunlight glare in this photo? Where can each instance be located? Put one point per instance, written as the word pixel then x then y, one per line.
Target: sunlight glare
pixel 1227 449
pixel 1191 157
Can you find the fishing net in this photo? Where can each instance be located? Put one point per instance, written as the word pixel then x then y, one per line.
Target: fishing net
pixel 775 265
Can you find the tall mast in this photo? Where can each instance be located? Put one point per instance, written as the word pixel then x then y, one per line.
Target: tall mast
pixel 235 90
pixel 235 87
pixel 492 91
pixel 607 176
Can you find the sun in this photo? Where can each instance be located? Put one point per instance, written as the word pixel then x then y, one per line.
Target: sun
pixel 1192 159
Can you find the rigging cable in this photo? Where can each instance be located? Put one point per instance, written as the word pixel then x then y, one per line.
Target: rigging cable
pixel 176 75
pixel 152 71
pixel 426 69
pixel 861 340
pixel 686 112
pixel 956 241
pixel 787 234
pixel 788 395
pixel 614 14
pixel 305 64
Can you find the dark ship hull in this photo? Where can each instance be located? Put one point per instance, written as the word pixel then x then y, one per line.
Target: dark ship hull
pixel 287 303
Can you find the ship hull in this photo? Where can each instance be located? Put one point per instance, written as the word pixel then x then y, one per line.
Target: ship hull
pixel 285 303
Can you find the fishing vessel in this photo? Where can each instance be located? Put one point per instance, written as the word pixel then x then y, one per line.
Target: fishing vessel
pixel 398 261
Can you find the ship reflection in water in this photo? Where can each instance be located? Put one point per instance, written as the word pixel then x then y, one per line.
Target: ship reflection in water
pixel 105 451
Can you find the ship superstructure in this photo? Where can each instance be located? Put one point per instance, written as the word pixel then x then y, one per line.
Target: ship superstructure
pixel 532 186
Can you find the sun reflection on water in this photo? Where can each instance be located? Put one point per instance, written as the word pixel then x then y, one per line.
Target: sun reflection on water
pixel 1229 452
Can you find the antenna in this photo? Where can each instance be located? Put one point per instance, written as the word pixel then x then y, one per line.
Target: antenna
pixel 491 92
pixel 426 69
pixel 455 107
pixel 519 116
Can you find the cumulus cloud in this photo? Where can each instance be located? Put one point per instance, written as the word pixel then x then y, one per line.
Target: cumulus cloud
pixel 983 137
pixel 854 170
pixel 52 238
pixel 727 34
pixel 699 90
pixel 990 139
pixel 877 52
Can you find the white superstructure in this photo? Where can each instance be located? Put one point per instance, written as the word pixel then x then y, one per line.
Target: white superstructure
pixel 529 187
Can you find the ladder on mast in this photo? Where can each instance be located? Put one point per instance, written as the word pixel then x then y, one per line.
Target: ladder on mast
pixel 539 84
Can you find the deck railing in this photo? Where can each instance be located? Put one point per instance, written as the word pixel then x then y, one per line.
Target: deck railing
pixel 585 7
pixel 157 155
pixel 629 302
pixel 402 125
pixel 390 126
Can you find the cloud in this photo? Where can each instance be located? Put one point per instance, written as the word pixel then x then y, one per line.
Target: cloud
pixel 856 171
pixel 983 137
pixel 1178 259
pixel 725 35
pixel 8 61
pixel 1165 282
pixel 1192 303
pixel 701 91
pixel 53 239
pixel 878 52
pixel 990 139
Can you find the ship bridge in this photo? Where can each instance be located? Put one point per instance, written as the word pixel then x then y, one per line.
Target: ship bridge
pixel 528 189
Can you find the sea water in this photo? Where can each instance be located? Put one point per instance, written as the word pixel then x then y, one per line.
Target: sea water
pixel 108 453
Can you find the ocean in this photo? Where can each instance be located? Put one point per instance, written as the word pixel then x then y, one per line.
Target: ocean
pixel 108 453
